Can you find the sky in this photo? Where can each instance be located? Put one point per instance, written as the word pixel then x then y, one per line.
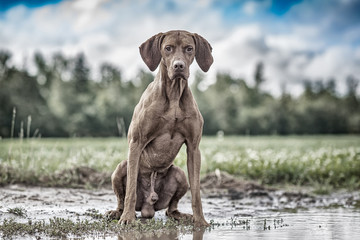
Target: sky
pixel 295 39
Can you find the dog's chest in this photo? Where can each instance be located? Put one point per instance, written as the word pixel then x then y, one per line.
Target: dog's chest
pixel 174 114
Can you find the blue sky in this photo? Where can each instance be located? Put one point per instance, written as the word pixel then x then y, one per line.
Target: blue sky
pixel 7 4
pixel 296 39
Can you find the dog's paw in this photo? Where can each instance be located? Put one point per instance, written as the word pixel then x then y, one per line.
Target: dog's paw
pixel 179 216
pixel 127 218
pixel 201 222
pixel 113 215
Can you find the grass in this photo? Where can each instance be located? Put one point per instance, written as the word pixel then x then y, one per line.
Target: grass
pixel 21 212
pixel 324 162
pixel 141 229
pixel 64 228
pixel 99 227
pixel 317 161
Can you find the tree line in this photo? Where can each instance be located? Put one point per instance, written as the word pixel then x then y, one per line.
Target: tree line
pixel 61 100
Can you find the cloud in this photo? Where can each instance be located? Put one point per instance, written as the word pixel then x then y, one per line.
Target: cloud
pixel 253 7
pixel 289 59
pixel 103 30
pixel 302 43
pixel 333 18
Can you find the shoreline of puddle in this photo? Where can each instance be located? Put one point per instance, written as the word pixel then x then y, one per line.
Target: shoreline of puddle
pixel 270 213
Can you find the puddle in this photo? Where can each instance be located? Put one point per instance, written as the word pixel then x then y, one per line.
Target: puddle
pixel 237 214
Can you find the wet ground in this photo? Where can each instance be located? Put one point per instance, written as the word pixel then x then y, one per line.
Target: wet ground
pixel 240 210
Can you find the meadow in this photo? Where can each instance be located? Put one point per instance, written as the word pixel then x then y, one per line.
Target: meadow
pixel 322 162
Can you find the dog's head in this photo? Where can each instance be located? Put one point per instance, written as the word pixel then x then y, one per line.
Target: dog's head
pixel 177 50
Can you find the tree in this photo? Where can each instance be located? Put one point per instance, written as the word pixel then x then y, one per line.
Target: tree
pixel 351 98
pixel 4 58
pixel 352 83
pixel 81 73
pixel 109 73
pixel 259 75
pixel 63 101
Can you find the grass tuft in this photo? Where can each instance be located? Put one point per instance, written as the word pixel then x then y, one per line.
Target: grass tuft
pixel 18 211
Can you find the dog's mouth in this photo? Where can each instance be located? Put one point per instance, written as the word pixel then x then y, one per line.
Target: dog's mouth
pixel 179 76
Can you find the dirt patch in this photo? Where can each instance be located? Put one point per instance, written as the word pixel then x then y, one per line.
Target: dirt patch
pixel 78 177
pixel 221 193
pixel 224 197
pixel 221 184
pixel 251 195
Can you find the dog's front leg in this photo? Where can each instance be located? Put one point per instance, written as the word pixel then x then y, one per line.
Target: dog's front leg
pixel 128 215
pixel 193 165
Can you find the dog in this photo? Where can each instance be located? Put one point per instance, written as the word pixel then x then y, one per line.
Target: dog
pixel 165 118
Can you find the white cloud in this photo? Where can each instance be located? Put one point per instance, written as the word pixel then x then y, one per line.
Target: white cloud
pixel 103 30
pixel 87 4
pixel 237 52
pixel 338 62
pixel 252 7
pixel 301 38
pixel 109 30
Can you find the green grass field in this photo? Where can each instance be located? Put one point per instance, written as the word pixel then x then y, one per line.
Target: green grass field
pixel 331 161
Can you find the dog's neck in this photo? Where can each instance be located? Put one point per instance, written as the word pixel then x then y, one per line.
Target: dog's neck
pixel 173 90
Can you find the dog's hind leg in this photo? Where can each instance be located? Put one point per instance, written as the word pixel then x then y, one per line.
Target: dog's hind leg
pixel 118 180
pixel 174 188
pixel 181 190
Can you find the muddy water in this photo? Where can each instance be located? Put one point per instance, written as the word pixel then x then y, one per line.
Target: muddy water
pixel 305 224
pixel 260 214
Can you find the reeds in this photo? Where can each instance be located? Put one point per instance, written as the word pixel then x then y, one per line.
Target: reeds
pixel 28 127
pixel 22 132
pixel 13 122
pixel 120 123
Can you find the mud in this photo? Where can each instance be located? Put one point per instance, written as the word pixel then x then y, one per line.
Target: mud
pixel 249 195
pixel 223 197
pixel 77 177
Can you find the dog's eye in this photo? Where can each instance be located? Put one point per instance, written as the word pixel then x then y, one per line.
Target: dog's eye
pixel 168 48
pixel 189 49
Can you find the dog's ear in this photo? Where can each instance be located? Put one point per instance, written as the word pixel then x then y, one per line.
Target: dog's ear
pixel 150 51
pixel 203 52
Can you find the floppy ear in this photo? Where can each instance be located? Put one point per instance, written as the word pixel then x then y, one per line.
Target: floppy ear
pixel 203 52
pixel 150 51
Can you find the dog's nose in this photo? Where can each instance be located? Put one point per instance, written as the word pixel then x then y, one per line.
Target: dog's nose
pixel 179 65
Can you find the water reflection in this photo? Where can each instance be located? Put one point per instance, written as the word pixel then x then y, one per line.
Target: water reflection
pixel 160 235
pixel 319 223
